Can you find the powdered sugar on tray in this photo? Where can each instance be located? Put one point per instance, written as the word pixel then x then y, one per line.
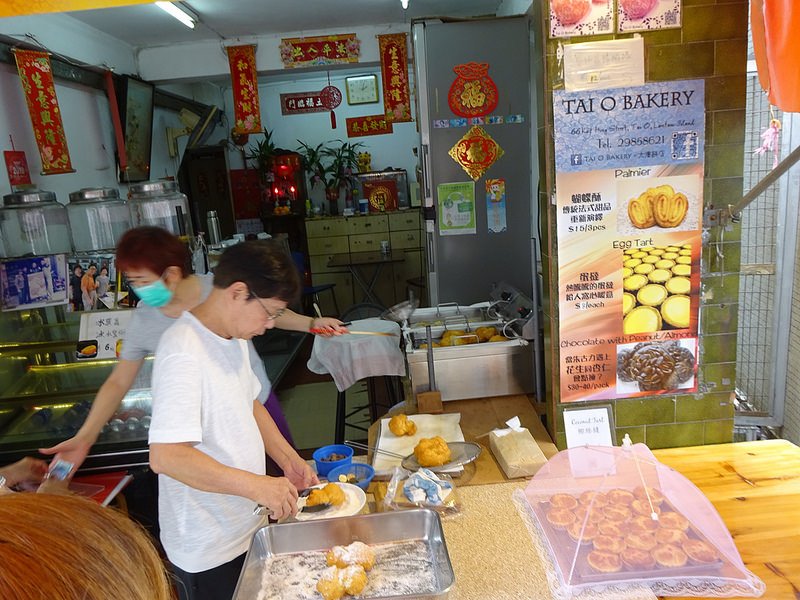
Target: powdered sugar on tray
pixel 401 569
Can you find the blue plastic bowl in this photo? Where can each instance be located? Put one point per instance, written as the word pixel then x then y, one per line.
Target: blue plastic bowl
pixel 362 471
pixel 325 466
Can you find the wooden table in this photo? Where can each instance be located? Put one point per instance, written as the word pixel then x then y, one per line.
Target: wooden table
pixel 755 487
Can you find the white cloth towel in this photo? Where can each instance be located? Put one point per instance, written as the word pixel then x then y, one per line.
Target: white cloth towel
pixel 349 358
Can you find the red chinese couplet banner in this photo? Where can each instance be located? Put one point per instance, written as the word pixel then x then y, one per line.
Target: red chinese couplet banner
pixel 40 94
pixel 299 103
pixel 371 125
pixel 394 73
pixel 320 50
pixel 246 108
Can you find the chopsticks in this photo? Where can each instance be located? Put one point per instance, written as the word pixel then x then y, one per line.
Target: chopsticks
pixel 361 446
pixel 383 333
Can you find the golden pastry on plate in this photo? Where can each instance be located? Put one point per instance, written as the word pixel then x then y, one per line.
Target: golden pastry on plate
pixel 673 520
pixel 642 523
pixel 593 499
pixel 583 533
pixel 666 535
pixel 644 508
pixel 612 528
pixel 329 494
pixel 432 452
pixel 402 425
pixel 607 543
pixel 620 496
pixel 656 497
pixel 560 517
pixel 643 540
pixel 617 512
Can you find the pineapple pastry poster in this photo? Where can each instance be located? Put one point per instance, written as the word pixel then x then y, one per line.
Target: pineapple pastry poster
pixel 629 196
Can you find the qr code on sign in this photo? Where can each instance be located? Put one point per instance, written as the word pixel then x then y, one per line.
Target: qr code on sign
pixel 684 145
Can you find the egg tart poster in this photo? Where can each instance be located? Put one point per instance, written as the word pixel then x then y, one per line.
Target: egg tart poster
pixel 629 196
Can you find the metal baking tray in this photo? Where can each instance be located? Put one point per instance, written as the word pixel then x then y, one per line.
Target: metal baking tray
pixel 426 574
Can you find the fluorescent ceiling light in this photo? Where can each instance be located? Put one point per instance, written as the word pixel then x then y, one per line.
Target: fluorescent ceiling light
pixel 175 11
pixel 404 4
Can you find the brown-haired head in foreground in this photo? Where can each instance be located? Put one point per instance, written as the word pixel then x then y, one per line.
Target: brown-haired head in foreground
pixel 263 265
pixel 151 248
pixel 71 548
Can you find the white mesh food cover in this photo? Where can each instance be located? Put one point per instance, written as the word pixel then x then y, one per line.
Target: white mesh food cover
pixel 613 517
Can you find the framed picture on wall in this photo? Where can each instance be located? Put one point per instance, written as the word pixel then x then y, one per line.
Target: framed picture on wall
pixel 135 98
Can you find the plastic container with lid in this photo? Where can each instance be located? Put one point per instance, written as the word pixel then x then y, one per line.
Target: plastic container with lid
pixel 97 217
pixel 160 204
pixel 33 222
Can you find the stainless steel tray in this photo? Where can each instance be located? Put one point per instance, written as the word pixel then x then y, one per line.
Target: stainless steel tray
pixel 429 575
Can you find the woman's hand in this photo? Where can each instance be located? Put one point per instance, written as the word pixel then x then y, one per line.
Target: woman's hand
pixel 26 470
pixel 278 495
pixel 73 450
pixel 327 326
pixel 300 473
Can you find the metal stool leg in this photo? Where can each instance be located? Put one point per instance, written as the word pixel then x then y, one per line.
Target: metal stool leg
pixel 341 407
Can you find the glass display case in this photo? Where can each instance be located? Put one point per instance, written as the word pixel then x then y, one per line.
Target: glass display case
pixel 46 392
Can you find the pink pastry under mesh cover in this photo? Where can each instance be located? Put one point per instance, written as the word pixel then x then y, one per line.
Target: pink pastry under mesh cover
pixel 613 517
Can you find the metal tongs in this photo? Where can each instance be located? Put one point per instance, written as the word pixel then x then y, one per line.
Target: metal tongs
pixel 260 509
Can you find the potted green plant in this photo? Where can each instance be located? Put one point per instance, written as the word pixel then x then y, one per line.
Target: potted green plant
pixel 263 153
pixel 333 167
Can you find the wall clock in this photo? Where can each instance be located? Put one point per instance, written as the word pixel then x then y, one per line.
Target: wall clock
pixel 362 89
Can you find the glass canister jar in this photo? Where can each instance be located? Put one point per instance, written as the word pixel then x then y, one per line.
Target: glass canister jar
pixel 33 222
pixel 97 217
pixel 160 204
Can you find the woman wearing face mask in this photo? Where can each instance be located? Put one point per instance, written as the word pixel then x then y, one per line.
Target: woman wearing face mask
pixel 155 264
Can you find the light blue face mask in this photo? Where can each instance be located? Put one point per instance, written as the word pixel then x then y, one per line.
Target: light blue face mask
pixel 155 294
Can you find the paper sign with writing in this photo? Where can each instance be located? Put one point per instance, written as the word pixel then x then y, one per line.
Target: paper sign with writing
pixel 320 50
pixel 244 84
pixel 588 426
pixel 606 64
pixel 101 333
pixel 301 102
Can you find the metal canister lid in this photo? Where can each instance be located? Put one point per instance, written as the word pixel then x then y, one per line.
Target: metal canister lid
pixel 94 194
pixel 153 188
pixel 28 197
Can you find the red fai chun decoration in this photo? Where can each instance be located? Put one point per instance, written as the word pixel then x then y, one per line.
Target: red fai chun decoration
pixel 394 76
pixel 244 80
pixel 17 168
pixel 40 94
pixel 476 151
pixel 473 93
pixel 320 50
pixel 370 125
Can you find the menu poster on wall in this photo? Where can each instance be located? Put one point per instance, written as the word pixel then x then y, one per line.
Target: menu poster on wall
pixel 456 208
pixel 101 333
pixel 629 196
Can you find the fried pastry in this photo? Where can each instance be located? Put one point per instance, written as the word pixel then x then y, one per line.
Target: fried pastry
pixel 402 425
pixel 642 523
pixel 700 552
pixel 563 501
pixel 330 494
pixel 593 499
pixel 336 582
pixel 357 553
pixel 617 512
pixel 560 518
pixel 583 533
pixel 673 520
pixel 604 562
pixel 643 540
pixel 636 559
pixel 620 496
pixel 432 452
pixel 607 543
pixel 666 535
pixel 612 528
pixel 669 555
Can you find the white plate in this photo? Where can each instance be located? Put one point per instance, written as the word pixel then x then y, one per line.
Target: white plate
pixel 354 501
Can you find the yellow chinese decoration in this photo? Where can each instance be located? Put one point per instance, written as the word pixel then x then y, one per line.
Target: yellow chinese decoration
pixel 476 152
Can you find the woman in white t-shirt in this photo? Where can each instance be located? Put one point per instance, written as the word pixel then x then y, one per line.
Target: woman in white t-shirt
pixel 155 264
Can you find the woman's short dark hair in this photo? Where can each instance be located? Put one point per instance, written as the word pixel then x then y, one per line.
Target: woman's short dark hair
pixel 263 266
pixel 151 248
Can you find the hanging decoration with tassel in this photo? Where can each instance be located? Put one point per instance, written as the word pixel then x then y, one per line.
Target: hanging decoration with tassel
pixel 770 139
pixel 331 98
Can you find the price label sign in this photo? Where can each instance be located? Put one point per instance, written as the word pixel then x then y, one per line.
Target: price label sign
pixel 588 426
pixel 101 333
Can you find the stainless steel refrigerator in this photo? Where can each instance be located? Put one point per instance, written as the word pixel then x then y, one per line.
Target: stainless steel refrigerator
pixel 463 268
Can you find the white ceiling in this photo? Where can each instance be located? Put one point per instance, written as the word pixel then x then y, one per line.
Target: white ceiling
pixel 146 25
